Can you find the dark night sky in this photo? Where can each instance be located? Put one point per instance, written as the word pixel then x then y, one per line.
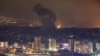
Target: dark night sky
pixel 70 13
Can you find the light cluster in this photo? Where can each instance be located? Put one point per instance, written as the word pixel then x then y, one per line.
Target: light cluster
pixel 7 20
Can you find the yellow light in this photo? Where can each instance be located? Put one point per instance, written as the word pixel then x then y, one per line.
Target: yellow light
pixel 55 50
pixel 30 25
pixel 58 26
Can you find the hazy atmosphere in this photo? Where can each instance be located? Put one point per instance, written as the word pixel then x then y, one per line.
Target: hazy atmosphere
pixel 69 13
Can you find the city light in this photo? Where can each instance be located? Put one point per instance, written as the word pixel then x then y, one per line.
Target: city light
pixel 49 27
pixel 65 44
pixel 39 48
pixel 30 25
pixel 58 26
pixel 7 20
pixel 98 54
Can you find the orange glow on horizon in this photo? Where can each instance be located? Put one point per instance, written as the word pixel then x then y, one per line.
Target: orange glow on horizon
pixel 58 26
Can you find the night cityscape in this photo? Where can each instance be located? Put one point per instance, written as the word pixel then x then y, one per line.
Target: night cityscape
pixel 49 28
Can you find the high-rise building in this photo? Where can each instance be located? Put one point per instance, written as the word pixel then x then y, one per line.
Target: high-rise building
pixel 52 45
pixel 43 47
pixel 37 44
pixel 91 47
pixel 6 44
pixel 77 46
pixel 16 45
pixel 1 44
pixel 97 46
pixel 83 47
pixel 33 45
pixel 71 44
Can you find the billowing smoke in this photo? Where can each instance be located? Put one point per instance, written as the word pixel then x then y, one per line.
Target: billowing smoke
pixel 47 17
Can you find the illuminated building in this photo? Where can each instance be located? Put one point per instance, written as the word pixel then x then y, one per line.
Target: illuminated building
pixel 37 44
pixel 33 45
pixel 16 45
pixel 71 44
pixel 91 47
pixel 1 44
pixel 77 46
pixel 43 47
pixel 98 46
pixel 52 45
pixel 83 47
pixel 6 44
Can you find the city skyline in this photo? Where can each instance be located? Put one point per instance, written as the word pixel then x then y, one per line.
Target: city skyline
pixel 49 27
